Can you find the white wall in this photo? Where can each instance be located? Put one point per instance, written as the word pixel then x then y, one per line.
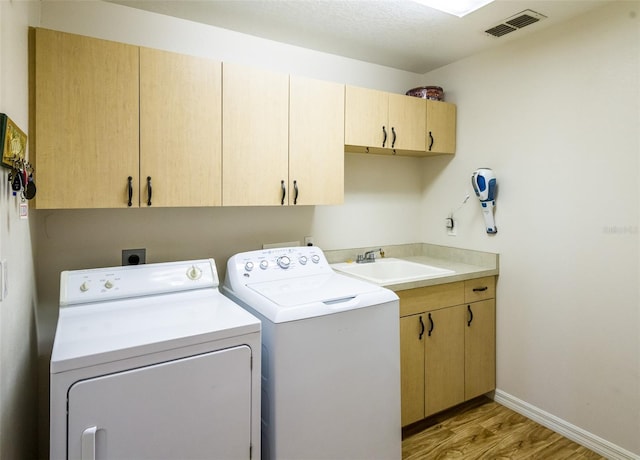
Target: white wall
pixel 557 116
pixel 382 194
pixel 560 107
pixel 18 376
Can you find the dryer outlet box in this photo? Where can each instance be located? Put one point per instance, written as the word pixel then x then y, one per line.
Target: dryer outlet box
pixel 134 256
pixel 285 244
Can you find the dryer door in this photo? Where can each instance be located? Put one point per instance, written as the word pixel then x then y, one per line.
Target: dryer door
pixel 191 408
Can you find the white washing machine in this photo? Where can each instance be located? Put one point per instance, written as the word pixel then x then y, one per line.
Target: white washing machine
pixel 152 362
pixel 330 356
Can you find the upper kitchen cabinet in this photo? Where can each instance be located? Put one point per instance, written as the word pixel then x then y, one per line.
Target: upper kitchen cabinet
pixel 380 122
pixel 441 127
pixel 84 110
pixel 119 126
pixel 316 142
pixel 180 130
pixel 283 139
pixel 255 136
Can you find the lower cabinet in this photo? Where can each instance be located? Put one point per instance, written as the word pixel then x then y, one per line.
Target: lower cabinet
pixel 447 345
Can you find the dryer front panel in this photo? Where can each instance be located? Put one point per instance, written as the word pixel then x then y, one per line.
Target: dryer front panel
pixel 190 408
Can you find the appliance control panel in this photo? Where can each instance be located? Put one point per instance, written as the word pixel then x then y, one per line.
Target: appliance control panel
pixel 102 284
pixel 278 263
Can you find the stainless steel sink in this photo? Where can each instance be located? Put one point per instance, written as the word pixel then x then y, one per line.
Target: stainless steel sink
pixel 390 270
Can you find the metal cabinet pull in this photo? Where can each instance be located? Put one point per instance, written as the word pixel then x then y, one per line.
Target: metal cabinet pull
pixel 430 141
pixel 384 139
pixel 470 315
pixel 480 289
pixel 421 328
pixel 149 190
pixel 284 191
pixel 130 179
pixel 393 139
pixel 431 325
pixel 295 189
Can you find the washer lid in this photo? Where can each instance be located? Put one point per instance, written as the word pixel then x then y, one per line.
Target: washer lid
pixel 305 297
pixel 327 289
pixel 109 331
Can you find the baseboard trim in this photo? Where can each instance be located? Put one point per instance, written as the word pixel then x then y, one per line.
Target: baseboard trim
pixel 566 429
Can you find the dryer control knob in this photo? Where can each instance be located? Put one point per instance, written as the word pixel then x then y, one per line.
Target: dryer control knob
pixel 108 284
pixel 315 258
pixel 284 262
pixel 248 266
pixel 84 287
pixel 303 260
pixel 264 264
pixel 194 273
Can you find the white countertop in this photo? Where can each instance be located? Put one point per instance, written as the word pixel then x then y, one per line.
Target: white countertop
pixel 467 264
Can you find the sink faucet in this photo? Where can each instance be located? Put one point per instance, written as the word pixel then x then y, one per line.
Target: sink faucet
pixel 369 256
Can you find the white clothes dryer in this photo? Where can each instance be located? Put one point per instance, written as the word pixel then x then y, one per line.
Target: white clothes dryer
pixel 152 362
pixel 330 357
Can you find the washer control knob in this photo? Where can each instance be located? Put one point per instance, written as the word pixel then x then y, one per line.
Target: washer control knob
pixel 194 273
pixel 284 262
pixel 303 260
pixel 315 258
pixel 264 264
pixel 108 284
pixel 84 287
pixel 248 266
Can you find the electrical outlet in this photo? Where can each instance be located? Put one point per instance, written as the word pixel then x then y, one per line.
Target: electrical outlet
pixel 134 256
pixel 308 241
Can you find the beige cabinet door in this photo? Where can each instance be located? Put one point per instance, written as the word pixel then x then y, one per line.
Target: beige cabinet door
pixel 381 122
pixel 441 127
pixel 407 118
pixel 444 358
pixel 255 136
pixel 86 121
pixel 180 130
pixel 412 339
pixel 480 348
pixel 366 118
pixel 316 142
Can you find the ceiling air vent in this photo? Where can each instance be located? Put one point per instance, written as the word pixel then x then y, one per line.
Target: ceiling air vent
pixel 520 20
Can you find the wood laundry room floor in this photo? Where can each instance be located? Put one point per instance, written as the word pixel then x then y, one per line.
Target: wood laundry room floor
pixel 483 429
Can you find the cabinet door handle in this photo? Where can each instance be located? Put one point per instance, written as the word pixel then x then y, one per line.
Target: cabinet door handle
pixel 470 315
pixel 430 141
pixel 130 179
pixel 421 328
pixel 295 189
pixel 431 325
pixel 480 289
pixel 284 191
pixel 384 138
pixel 149 191
pixel 393 138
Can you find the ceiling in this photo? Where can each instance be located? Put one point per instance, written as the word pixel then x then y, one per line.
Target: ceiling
pixel 400 34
